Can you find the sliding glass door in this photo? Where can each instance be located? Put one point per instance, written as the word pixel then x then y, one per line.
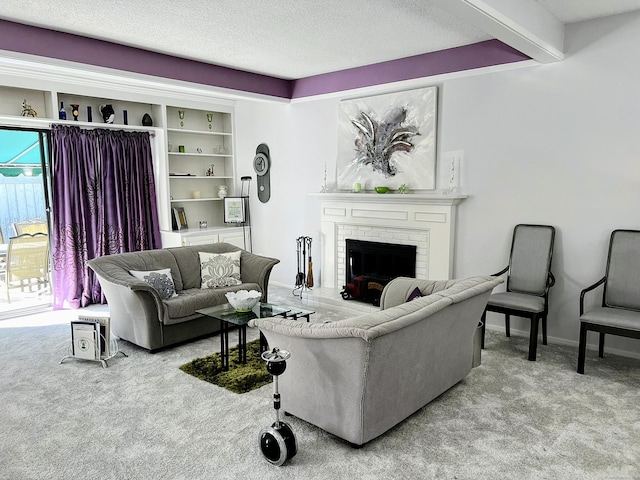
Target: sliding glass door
pixel 25 276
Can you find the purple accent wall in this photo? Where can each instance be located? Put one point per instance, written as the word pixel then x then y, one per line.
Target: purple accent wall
pixel 20 38
pixel 468 57
pixel 16 37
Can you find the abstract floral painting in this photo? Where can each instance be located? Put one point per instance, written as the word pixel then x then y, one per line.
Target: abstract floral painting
pixel 388 140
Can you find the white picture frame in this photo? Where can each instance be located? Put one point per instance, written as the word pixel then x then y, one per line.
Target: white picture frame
pixel 234 210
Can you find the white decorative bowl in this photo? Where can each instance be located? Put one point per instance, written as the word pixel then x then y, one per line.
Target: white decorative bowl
pixel 243 300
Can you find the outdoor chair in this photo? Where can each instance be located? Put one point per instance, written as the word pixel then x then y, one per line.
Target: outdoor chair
pixel 529 278
pixel 619 313
pixel 27 263
pixel 30 226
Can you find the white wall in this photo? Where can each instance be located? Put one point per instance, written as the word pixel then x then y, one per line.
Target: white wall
pixel 300 138
pixel 554 144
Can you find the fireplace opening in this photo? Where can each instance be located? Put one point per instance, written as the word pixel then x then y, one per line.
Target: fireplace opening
pixel 371 265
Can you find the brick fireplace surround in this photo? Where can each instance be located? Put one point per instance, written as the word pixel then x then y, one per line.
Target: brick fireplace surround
pixel 425 220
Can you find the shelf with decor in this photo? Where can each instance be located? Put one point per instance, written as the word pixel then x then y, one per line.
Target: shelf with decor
pixel 124 112
pixel 205 131
pixel 201 172
pixel 47 105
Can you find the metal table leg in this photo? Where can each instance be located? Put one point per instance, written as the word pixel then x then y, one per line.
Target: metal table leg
pixel 242 344
pixel 224 345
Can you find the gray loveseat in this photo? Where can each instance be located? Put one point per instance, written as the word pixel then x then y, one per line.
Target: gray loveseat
pixel 356 378
pixel 140 316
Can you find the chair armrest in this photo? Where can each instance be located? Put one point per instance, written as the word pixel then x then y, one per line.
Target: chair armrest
pixel 588 289
pixel 501 272
pixel 551 280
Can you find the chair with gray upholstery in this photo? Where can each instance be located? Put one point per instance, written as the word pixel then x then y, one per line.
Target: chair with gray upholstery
pixel 529 279
pixel 619 313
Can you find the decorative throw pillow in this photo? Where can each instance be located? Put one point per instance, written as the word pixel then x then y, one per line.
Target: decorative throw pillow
pixel 415 294
pixel 220 269
pixel 161 280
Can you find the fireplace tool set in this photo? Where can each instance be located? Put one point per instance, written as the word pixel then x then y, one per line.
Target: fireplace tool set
pixel 304 277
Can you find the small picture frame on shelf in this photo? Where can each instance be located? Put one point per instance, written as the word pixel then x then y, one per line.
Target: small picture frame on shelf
pixel 234 211
pixel 179 219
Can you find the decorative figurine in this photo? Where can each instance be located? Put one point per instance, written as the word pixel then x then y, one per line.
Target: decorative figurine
pixel 108 113
pixel 147 121
pixel 181 115
pixel 403 188
pixel 27 111
pixel 210 171
pixel 209 119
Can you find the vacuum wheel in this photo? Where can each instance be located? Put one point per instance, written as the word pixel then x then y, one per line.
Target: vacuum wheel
pixel 278 443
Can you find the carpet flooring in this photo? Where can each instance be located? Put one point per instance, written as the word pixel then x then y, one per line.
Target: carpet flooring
pixel 143 418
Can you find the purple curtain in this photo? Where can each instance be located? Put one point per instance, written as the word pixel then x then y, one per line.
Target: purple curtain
pixel 104 202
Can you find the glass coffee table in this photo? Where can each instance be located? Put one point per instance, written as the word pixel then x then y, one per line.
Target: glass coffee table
pixel 228 316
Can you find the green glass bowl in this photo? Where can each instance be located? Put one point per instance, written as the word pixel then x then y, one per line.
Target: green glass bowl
pixel 382 189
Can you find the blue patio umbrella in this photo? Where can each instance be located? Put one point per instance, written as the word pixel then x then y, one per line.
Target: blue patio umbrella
pixel 19 153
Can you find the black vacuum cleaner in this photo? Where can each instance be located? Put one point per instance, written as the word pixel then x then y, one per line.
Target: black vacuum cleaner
pixel 277 442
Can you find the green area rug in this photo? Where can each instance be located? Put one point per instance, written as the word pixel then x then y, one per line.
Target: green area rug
pixel 240 378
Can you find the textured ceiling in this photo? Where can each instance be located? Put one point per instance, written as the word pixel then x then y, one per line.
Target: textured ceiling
pixel 283 38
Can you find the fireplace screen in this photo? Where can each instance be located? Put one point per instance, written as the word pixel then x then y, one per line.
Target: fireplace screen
pixel 371 265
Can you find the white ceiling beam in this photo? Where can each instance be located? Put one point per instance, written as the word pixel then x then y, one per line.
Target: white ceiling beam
pixel 523 24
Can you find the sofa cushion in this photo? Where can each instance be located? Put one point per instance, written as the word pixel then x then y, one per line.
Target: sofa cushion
pixel 161 280
pixel 184 306
pixel 188 261
pixel 219 269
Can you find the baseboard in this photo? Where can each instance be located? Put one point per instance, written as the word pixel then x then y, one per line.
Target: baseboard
pixel 566 342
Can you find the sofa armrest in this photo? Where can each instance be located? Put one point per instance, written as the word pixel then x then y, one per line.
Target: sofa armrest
pixel 398 290
pixel 257 269
pixel 117 282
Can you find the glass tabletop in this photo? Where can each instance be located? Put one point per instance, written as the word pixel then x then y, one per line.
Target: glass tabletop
pixel 227 313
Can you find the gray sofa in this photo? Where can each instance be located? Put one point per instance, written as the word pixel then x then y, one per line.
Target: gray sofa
pixel 356 378
pixel 140 316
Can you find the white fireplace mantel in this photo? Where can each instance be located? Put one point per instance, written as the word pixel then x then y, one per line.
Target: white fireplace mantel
pixel 425 220
pixel 409 198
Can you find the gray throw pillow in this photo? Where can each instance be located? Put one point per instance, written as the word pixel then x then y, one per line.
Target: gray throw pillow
pixel 160 280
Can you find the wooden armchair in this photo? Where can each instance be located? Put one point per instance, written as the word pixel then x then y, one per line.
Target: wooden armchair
pixel 529 279
pixel 619 313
